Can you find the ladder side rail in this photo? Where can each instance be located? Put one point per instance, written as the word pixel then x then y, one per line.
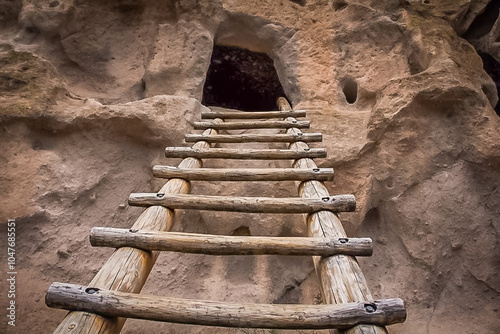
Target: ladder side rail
pixel 128 268
pixel 341 277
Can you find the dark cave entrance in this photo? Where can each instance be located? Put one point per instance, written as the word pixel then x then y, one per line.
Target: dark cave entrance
pixel 480 27
pixel 492 67
pixel 241 79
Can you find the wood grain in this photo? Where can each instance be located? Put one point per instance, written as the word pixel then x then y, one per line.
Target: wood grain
pixel 251 114
pixel 344 203
pixel 249 154
pixel 128 268
pixel 227 245
pixel 251 125
pixel 210 313
pixel 253 137
pixel 342 279
pixel 243 174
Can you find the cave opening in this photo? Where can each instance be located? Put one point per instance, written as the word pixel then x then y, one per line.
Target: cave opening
pixel 241 79
pixel 479 29
pixel 484 22
pixel 350 90
pixel 492 67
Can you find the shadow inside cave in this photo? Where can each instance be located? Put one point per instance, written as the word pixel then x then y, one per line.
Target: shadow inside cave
pixel 241 79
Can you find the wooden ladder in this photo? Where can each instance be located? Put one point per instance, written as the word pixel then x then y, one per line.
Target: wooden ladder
pixel 113 295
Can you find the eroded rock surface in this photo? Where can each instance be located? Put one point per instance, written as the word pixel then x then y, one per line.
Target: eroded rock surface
pixel 91 92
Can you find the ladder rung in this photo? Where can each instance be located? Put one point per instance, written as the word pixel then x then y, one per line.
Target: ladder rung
pixel 344 203
pixel 243 174
pixel 227 153
pixel 252 114
pixel 253 137
pixel 115 304
pixel 251 125
pixel 228 245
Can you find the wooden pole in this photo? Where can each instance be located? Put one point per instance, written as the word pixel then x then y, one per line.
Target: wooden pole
pixel 128 268
pixel 227 245
pixel 249 154
pixel 251 114
pixel 342 280
pixel 253 137
pixel 245 204
pixel 210 313
pixel 251 125
pixel 243 174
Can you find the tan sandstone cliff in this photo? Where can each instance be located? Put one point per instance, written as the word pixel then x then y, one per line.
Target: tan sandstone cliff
pixel 92 91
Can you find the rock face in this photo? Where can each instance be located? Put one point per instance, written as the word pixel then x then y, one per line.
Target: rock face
pixel 92 91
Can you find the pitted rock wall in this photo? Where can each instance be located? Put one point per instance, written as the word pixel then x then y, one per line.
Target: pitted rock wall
pixel 92 91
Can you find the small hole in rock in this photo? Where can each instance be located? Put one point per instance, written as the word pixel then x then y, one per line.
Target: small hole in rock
pixel 36 145
pixel 417 62
pixel 350 90
pixel 31 30
pixel 339 5
pixel 10 84
pixel 241 231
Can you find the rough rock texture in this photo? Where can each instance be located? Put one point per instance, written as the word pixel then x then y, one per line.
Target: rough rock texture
pixel 92 91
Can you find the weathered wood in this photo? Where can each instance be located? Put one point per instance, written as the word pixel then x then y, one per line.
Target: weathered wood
pixel 342 280
pixel 344 203
pixel 128 268
pixel 251 114
pixel 243 174
pixel 249 154
pixel 210 313
pixel 227 245
pixel 251 125
pixel 255 137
